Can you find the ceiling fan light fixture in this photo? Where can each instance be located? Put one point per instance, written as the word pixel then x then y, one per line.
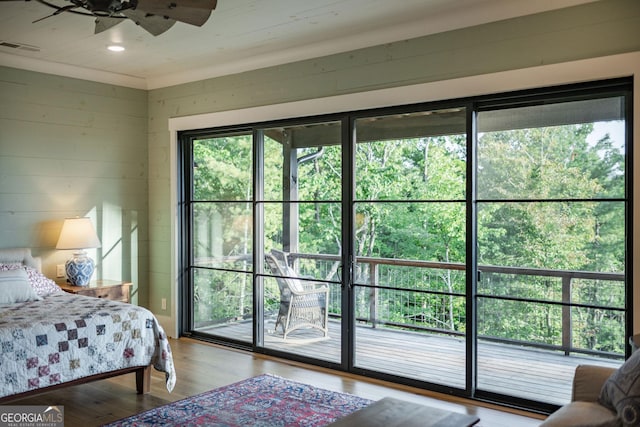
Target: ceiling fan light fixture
pixel 115 48
pixel 155 16
pixel 105 6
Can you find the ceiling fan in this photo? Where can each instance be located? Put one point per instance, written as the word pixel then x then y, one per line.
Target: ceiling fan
pixel 155 16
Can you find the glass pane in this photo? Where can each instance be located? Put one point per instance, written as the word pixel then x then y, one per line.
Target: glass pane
pixel 223 304
pixel 416 156
pixel 412 275
pixel 519 283
pixel 411 231
pixel 608 290
pixel 520 321
pixel 222 168
pixel 404 308
pixel 316 234
pixel 222 235
pixel 411 334
pixel 587 236
pixel 571 150
pixel 303 162
pixel 599 330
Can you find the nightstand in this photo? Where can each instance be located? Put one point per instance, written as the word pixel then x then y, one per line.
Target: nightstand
pixel 110 289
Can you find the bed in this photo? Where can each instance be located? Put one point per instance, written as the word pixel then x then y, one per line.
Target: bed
pixel 50 338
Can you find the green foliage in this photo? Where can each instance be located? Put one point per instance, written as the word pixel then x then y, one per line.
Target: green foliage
pixel 548 165
pixel 221 297
pixel 426 175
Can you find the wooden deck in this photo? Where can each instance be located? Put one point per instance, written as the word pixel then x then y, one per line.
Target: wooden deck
pixel 524 372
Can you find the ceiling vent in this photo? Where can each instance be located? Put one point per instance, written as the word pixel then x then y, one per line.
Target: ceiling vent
pixel 19 46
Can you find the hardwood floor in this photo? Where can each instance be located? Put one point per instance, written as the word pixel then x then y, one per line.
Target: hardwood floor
pixel 201 367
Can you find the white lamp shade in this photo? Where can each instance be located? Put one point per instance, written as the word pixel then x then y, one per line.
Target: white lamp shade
pixel 78 233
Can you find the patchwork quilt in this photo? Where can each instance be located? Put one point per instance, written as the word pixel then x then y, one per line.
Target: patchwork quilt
pixel 66 337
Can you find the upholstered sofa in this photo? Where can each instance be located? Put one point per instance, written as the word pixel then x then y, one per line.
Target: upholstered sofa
pixel 603 397
pixel 584 409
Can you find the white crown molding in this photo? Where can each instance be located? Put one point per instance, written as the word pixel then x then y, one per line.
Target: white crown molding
pixel 31 64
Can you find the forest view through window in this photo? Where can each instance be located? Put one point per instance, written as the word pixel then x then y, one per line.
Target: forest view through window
pixel 451 246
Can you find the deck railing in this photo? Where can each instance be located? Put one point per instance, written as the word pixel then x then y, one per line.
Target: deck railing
pixel 431 296
pixel 566 292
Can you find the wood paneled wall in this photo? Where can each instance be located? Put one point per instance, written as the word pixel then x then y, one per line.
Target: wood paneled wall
pixel 69 148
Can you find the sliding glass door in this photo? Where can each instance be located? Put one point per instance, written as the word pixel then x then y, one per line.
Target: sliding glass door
pixel 476 247
pixel 410 238
pixel 551 243
pixel 299 218
pixel 220 225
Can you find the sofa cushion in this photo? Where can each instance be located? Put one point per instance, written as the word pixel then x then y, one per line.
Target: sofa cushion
pixel 588 382
pixel 621 391
pixel 584 414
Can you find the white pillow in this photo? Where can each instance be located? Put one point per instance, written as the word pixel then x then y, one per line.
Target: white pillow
pixel 15 287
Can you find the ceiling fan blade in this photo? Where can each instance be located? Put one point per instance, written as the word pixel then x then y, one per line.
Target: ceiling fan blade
pixel 57 12
pixel 194 12
pixel 103 23
pixel 154 24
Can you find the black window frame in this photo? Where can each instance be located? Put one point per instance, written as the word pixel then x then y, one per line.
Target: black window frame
pixel 529 97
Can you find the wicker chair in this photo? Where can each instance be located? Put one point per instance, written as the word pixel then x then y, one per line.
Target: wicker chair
pixel 303 304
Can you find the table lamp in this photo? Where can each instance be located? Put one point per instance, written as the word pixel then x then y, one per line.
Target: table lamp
pixel 78 234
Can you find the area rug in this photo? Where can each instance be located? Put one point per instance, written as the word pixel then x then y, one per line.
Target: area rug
pixel 262 401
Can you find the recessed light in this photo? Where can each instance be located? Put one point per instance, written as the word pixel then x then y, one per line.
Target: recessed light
pixel 115 48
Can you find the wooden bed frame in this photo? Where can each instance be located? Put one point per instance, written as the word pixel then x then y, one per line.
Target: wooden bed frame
pixel 143 373
pixel 143 382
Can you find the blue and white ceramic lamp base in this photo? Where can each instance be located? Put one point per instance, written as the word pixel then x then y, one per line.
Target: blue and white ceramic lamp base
pixel 79 269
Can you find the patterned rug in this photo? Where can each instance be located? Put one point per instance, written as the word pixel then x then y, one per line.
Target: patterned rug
pixel 264 401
